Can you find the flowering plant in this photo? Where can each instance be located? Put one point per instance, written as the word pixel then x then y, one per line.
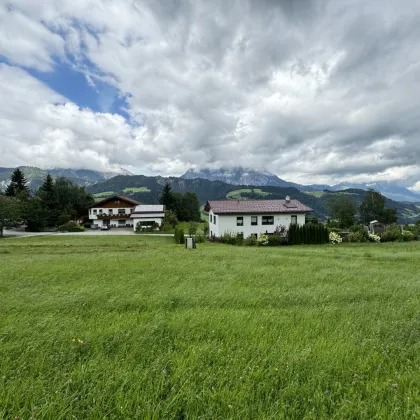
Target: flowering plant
pixel 335 238
pixel 374 238
pixel 263 239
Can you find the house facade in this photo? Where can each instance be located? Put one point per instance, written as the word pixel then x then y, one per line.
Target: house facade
pixel 114 211
pixel 147 215
pixel 253 217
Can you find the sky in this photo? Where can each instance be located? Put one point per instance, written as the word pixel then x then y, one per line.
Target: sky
pixel 315 91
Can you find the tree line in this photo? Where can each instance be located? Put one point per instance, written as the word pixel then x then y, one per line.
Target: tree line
pixel 186 207
pixel 344 209
pixel 57 202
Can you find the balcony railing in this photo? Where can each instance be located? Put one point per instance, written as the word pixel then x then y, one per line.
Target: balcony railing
pixel 112 216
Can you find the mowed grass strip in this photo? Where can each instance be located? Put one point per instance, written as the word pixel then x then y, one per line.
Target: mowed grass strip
pixel 137 327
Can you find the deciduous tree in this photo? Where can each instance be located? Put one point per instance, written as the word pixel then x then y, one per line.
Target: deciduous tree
pixel 10 212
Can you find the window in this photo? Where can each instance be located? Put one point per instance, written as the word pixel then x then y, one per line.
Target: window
pixel 239 221
pixel 268 220
pixel 211 218
pixel 121 211
pixel 110 211
pixel 294 220
pixel 100 211
pixel 214 219
pixel 121 222
pixel 95 211
pixel 117 201
pixel 254 220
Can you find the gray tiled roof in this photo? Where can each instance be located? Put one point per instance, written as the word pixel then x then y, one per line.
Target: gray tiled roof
pixel 256 206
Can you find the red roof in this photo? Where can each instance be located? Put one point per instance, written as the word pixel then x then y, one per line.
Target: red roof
pixel 117 197
pixel 256 206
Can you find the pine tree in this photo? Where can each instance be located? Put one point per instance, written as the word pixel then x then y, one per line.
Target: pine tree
pixel 17 184
pixel 49 201
pixel 167 198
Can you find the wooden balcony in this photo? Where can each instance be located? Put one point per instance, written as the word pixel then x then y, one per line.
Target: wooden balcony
pixel 105 216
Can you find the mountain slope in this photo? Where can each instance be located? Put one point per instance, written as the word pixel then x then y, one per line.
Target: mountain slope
pixel 151 188
pixel 390 190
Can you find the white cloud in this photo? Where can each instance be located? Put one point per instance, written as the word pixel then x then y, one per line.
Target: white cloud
pixel 318 92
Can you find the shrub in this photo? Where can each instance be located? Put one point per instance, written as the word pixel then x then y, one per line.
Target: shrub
pixel 231 238
pixel 357 237
pixel 276 240
pixel 170 218
pixel 251 241
pixel 192 228
pixel 71 227
pixel 310 234
pixel 392 233
pixel 87 225
pixel 335 238
pixel 206 228
pixel 200 238
pixel 358 233
pixel 179 236
pixel 165 227
pixel 374 238
pixel 407 236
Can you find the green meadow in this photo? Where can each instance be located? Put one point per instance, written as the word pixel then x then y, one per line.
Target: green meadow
pixel 134 327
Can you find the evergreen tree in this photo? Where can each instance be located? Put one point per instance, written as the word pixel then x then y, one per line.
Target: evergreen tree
pixel 35 215
pixel 46 193
pixel 17 184
pixel 167 198
pixel 191 206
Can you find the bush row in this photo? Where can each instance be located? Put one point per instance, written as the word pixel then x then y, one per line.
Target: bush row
pixel 309 234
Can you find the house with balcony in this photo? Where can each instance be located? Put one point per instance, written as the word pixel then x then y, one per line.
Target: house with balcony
pixel 253 217
pixel 113 211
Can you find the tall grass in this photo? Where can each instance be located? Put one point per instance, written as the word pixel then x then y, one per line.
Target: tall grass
pixel 136 327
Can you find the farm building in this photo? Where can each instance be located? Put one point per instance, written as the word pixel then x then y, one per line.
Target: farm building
pixel 253 217
pixel 147 215
pixel 113 211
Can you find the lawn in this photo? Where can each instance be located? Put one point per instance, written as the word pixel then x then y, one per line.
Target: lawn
pixel 137 327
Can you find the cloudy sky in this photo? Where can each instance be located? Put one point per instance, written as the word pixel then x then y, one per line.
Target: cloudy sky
pixel 315 91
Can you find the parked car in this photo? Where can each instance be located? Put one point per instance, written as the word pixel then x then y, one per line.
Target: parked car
pixel 105 227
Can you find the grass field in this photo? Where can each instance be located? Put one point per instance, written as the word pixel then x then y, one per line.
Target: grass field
pixel 136 189
pixel 317 194
pixel 102 195
pixel 135 327
pixel 237 194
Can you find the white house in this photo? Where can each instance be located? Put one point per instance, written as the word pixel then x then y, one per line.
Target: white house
pixel 114 211
pixel 253 217
pixel 147 215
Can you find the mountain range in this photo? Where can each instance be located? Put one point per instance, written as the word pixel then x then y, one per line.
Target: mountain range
pixel 35 176
pixel 147 189
pixel 237 183
pixel 244 176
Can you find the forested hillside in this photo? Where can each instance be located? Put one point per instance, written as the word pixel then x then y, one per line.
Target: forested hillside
pixel 147 190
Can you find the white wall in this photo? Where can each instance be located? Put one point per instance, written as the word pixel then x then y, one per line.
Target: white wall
pixel 227 223
pixel 155 219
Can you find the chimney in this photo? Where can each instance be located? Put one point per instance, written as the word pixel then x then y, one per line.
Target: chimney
pixel 287 199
